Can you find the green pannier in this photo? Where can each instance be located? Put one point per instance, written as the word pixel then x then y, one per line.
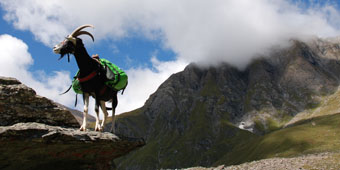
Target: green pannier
pixel 76 85
pixel 116 77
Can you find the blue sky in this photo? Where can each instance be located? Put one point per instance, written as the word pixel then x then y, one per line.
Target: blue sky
pixel 128 52
pixel 151 39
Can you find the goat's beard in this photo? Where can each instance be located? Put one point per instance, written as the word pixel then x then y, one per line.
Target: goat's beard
pixel 68 49
pixel 63 54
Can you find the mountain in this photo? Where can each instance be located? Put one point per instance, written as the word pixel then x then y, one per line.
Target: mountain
pixel 37 133
pixel 206 116
pixel 78 114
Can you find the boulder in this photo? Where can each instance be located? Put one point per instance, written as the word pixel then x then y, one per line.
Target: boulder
pixel 37 133
pixel 19 103
pixel 41 146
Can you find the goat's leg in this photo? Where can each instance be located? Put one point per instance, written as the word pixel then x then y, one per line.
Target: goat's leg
pixel 86 106
pixel 113 121
pixel 96 109
pixel 114 105
pixel 103 107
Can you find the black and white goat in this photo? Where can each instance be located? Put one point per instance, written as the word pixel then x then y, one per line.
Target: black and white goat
pixel 91 77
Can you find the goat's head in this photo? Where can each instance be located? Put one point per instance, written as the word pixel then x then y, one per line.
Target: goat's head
pixel 68 46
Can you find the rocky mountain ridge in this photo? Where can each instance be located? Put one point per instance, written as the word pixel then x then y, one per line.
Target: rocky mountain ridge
pixel 201 115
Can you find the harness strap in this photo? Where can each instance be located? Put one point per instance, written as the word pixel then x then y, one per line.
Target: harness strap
pixel 88 77
pixel 124 88
pixel 75 103
pixel 66 90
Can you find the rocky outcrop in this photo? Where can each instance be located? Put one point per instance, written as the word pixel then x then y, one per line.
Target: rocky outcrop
pixel 201 113
pixel 36 133
pixel 40 146
pixel 19 103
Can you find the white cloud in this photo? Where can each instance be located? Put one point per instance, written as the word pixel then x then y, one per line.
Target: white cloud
pixel 15 62
pixel 197 31
pixel 210 32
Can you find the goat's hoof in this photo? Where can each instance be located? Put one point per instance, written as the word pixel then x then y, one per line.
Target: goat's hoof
pixel 82 129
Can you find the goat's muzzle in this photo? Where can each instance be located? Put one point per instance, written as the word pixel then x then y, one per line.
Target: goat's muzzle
pixel 56 49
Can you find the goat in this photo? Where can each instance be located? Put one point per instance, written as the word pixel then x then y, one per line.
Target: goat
pixel 91 77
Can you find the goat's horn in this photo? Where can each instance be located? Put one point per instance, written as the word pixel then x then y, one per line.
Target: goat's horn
pixel 74 33
pixel 83 32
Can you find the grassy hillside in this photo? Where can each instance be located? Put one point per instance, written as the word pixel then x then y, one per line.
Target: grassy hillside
pixel 170 145
pixel 328 105
pixel 319 134
pixel 315 135
pixel 313 131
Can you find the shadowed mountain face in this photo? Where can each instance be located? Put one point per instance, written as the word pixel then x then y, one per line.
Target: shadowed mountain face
pixel 200 114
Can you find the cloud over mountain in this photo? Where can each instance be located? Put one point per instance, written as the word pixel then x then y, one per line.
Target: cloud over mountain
pixel 209 32
pixel 197 31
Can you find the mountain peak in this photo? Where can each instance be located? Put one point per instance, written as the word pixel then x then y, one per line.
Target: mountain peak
pixel 204 109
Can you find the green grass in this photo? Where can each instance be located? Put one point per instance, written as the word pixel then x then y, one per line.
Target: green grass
pixel 201 142
pixel 167 148
pixel 210 88
pixel 328 105
pixel 273 124
pixel 129 118
pixel 315 135
pixel 259 125
pixel 221 100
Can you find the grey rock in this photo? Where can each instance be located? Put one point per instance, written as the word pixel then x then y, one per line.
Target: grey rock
pixel 37 133
pixel 39 146
pixel 8 81
pixel 19 103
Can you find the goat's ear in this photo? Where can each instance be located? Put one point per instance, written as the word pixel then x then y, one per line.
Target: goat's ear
pixel 72 39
